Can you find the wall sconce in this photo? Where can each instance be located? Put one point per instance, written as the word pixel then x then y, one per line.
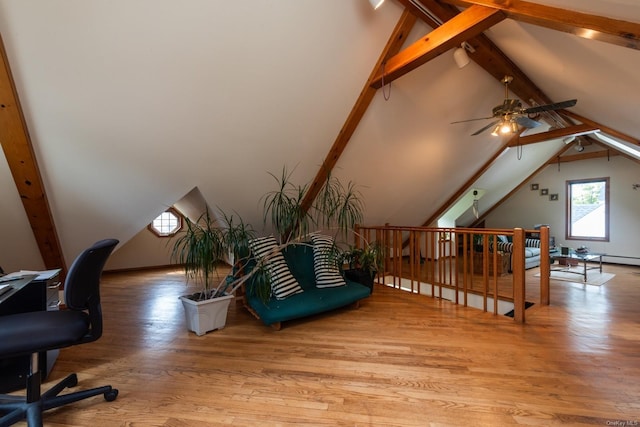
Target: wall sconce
pixel 474 206
pixel 635 186
pixel 376 3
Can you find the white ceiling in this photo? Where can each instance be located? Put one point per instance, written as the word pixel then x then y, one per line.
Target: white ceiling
pixel 132 104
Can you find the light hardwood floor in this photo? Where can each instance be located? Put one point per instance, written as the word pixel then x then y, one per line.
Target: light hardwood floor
pixel 398 360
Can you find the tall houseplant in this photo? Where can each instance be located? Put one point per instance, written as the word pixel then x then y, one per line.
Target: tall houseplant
pixel 335 212
pixel 336 209
pixel 201 247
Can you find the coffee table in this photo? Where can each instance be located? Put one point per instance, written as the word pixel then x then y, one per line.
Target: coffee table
pixel 580 258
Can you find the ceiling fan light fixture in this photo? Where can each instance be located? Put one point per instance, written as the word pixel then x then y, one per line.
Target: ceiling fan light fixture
pixel 511 109
pixel 505 128
pixel 460 57
pixel 376 3
pixel 496 130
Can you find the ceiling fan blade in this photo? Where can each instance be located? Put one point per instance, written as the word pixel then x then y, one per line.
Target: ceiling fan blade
pixel 527 122
pixel 549 107
pixel 478 132
pixel 472 120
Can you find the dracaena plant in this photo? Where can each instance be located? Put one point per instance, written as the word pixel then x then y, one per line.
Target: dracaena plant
pixel 205 243
pixel 337 208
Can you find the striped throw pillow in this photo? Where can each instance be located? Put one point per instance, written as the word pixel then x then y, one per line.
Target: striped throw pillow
pixel 283 284
pixel 328 273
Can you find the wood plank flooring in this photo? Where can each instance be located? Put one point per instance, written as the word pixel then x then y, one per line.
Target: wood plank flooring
pixel 398 360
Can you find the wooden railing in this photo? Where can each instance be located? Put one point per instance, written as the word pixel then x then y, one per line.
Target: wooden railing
pixel 458 264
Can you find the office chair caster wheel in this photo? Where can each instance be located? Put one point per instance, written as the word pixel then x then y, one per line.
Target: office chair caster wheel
pixel 111 395
pixel 72 380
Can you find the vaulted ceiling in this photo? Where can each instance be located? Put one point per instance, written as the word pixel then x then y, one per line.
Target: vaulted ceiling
pixel 129 106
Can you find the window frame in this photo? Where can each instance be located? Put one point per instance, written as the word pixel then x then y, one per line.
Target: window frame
pixel 172 233
pixel 568 218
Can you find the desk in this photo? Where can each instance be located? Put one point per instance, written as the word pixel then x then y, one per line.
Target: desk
pixel 577 258
pixel 30 293
pixel 9 289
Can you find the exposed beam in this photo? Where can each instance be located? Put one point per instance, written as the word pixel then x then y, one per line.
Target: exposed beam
pixel 583 156
pixel 18 150
pixel 603 128
pixel 593 27
pixel 452 33
pixel 576 130
pixel 601 141
pixel 488 56
pixel 394 44
pixel 496 63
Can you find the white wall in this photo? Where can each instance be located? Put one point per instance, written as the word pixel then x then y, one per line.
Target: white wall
pixel 145 249
pixel 527 207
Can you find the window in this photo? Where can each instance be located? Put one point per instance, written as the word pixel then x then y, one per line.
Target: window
pixel 588 209
pixel 166 224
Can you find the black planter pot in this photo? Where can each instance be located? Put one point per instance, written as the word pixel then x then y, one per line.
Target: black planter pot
pixel 361 276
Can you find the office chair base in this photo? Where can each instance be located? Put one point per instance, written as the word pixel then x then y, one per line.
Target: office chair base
pixel 18 408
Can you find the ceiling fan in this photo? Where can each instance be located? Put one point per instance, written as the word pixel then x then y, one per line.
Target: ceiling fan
pixel 510 113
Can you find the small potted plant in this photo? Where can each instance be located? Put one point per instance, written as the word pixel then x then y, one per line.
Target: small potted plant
pixel 364 263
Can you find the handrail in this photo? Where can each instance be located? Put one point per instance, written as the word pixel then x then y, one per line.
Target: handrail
pixel 460 262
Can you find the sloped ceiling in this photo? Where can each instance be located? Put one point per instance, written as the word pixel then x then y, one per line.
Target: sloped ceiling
pixel 132 104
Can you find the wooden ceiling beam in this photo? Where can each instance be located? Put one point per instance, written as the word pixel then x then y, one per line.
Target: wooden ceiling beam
pixel 593 27
pixel 393 46
pixel 467 24
pixel 603 128
pixel 576 130
pixel 488 56
pixel 495 62
pixel 583 156
pixel 18 150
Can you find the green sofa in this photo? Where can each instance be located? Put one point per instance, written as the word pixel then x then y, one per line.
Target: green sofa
pixel 312 300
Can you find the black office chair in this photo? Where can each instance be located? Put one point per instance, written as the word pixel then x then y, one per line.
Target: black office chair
pixel 39 331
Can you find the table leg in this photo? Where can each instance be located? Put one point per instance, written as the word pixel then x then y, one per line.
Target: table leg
pixel 584 263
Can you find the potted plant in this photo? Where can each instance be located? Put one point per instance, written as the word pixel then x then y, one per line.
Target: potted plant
pixel 201 247
pixel 364 263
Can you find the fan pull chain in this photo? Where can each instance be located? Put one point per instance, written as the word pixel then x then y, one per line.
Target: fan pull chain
pixel 519 149
pixel 386 96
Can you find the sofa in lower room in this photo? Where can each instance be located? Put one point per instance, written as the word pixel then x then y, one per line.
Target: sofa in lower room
pixel 531 252
pixel 316 293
